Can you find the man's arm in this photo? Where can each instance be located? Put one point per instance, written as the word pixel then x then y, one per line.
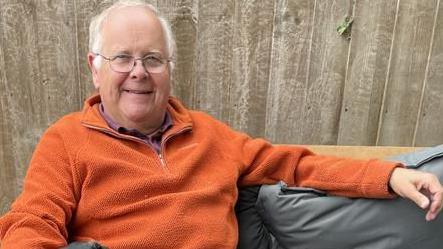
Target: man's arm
pixel 366 152
pixel 297 166
pixel 39 216
pixel 338 176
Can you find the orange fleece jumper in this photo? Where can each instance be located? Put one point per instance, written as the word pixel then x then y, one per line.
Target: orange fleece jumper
pixel 86 181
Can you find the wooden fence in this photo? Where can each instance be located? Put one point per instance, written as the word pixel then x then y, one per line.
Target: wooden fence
pixel 274 69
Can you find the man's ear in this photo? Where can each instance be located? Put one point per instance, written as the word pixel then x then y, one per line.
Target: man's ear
pixel 93 69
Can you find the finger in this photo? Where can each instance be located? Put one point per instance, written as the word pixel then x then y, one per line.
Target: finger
pixel 420 199
pixel 430 216
pixel 434 209
pixel 436 195
pixel 436 203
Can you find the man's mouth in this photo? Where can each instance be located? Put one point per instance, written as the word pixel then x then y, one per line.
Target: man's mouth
pixel 137 91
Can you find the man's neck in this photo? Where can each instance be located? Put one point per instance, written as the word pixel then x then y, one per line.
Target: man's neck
pixel 152 128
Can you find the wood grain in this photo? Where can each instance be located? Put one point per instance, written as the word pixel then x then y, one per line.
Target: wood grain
pixel 248 89
pixel 292 34
pixel 8 186
pixel 39 76
pixel 214 57
pixel 328 54
pixel 84 11
pixel 406 72
pixel 372 35
pixel 183 17
pixel 430 120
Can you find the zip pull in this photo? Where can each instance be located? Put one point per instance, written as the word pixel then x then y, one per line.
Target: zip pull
pixel 162 160
pixel 163 163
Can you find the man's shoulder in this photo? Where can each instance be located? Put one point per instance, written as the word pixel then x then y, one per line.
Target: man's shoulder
pixel 208 124
pixel 68 122
pixel 67 132
pixel 202 118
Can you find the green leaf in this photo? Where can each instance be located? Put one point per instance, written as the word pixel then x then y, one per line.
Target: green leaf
pixel 345 26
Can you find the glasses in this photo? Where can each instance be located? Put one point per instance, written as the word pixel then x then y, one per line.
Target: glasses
pixel 152 63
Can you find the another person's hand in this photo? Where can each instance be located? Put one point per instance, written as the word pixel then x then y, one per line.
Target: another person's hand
pixel 422 188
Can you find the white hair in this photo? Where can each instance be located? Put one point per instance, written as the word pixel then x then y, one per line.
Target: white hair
pixel 95 37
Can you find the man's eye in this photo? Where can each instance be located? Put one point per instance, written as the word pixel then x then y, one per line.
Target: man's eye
pixel 153 61
pixel 122 58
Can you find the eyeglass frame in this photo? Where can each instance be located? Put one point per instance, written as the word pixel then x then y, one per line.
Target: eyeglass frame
pixel 112 58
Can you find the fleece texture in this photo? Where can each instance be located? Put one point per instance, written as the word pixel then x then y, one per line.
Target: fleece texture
pixel 88 182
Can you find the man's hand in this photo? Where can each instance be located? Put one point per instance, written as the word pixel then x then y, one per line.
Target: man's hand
pixel 422 188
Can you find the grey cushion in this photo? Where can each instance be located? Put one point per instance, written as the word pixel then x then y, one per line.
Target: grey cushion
pixel 303 218
pixel 85 245
pixel 253 232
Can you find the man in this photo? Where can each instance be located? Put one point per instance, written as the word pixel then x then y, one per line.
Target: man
pixel 136 169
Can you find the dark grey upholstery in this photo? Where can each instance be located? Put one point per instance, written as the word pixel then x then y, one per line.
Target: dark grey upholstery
pixel 254 234
pixel 302 218
pixel 85 245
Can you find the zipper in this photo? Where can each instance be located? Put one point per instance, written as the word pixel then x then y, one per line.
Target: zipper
pixel 162 145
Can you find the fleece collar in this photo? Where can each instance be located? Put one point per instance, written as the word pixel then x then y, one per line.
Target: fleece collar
pixel 91 115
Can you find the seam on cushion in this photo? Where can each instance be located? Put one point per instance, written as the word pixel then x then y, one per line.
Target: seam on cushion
pixel 262 212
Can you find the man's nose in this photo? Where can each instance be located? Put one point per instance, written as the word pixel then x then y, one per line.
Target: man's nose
pixel 138 70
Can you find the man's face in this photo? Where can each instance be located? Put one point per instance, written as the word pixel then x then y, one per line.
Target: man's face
pixel 137 99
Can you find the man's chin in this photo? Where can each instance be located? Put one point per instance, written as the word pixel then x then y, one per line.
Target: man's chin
pixel 141 115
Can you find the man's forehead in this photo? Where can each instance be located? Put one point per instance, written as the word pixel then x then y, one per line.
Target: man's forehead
pixel 135 19
pixel 128 28
pixel 127 13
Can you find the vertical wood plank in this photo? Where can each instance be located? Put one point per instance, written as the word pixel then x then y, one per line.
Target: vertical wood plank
pixel 327 68
pixel 8 186
pixel 183 17
pixel 214 57
pixel 407 72
pixel 84 11
pixel 289 69
pixel 38 46
pixel 252 41
pixel 372 34
pixel 430 130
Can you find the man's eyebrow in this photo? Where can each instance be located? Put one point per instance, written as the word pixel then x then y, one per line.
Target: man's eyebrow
pixel 119 50
pixel 123 52
pixel 154 53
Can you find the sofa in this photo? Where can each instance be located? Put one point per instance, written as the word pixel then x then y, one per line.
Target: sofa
pixel 280 216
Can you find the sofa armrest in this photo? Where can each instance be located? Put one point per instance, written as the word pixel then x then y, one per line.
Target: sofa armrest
pixel 361 152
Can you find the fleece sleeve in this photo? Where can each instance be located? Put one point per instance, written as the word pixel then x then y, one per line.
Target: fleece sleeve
pixel 297 166
pixel 39 216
